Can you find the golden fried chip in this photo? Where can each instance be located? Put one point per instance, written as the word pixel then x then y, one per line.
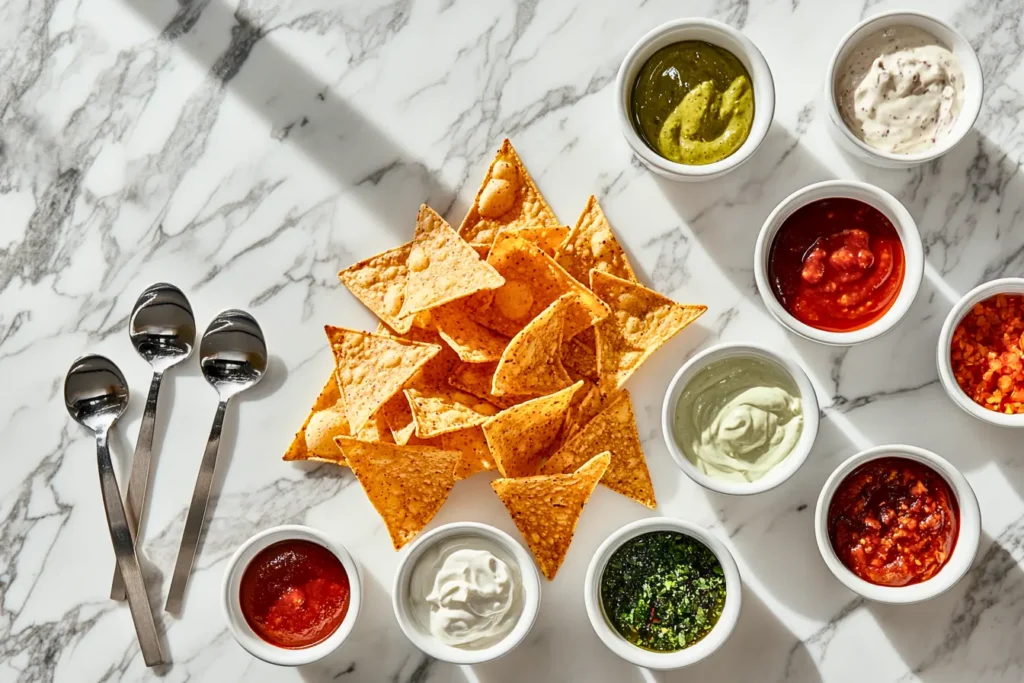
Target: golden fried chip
pixel 592 244
pixel 326 420
pixel 612 430
pixel 521 437
pixel 375 430
pixel 641 321
pixel 507 199
pixel 398 417
pixel 547 238
pixel 588 402
pixel 476 456
pixel 473 342
pixel 380 282
pixel 371 369
pixel 437 370
pixel 578 357
pixel 532 361
pixel 406 484
pixel 440 409
pixel 442 267
pixel 532 281
pixel 546 509
pixel 476 379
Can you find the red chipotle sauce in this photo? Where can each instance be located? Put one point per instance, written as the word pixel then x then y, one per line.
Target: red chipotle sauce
pixel 836 264
pixel 894 522
pixel 294 594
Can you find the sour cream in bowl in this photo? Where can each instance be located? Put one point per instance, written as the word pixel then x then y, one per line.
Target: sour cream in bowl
pixel 466 593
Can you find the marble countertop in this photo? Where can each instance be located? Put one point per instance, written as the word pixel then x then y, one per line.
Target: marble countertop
pixel 246 152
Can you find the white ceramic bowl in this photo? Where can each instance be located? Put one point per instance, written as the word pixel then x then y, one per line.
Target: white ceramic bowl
pixel 952 40
pixel 778 474
pixel 897 214
pixel 237 624
pixel 716 33
pixel 1009 285
pixel 966 544
pixel 531 588
pixel 648 658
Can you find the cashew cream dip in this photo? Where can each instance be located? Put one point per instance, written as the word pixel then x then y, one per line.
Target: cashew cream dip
pixel 900 91
pixel 466 592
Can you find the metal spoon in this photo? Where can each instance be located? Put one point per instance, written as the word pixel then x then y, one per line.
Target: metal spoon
pixel 96 394
pixel 163 331
pixel 233 356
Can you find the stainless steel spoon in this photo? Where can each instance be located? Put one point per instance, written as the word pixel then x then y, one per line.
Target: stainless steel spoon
pixel 163 331
pixel 233 357
pixel 96 394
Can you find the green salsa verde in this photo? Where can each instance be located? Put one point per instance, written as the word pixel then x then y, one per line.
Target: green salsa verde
pixel 693 103
pixel 663 591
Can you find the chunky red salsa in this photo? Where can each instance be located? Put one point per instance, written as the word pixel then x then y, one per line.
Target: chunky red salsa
pixel 294 594
pixel 894 522
pixel 836 264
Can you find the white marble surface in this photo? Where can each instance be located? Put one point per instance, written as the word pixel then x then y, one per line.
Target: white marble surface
pixel 247 152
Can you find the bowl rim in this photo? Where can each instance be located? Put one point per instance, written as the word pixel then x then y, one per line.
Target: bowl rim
pixel 969 63
pixel 782 471
pixel 986 290
pixel 959 562
pixel 762 82
pixel 906 229
pixel 239 627
pixel 649 658
pixel 531 587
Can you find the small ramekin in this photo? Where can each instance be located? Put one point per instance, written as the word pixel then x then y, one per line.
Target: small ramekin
pixel 531 587
pixel 716 33
pixel 778 474
pixel 951 39
pixel 241 630
pixel 648 658
pixel 1009 285
pixel 966 544
pixel 897 214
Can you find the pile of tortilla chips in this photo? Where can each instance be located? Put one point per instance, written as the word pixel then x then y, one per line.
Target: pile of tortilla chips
pixel 503 345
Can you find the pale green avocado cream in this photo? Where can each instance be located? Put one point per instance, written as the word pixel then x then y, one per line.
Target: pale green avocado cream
pixel 738 418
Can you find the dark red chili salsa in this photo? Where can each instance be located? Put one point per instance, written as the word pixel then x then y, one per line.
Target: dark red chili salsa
pixel 894 521
pixel 294 594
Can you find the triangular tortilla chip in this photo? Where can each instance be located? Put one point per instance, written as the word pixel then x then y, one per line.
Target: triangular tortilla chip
pixel 592 244
pixel 547 238
pixel 546 509
pixel 375 430
pixel 580 358
pixel 476 379
pixel 532 361
pixel 442 267
pixel 406 484
pixel 520 437
pixel 641 321
pixel 326 420
pixel 588 402
pixel 507 199
pixel 476 456
pixel 612 430
pixel 472 341
pixel 398 417
pixel 371 369
pixel 379 282
pixel 441 409
pixel 532 281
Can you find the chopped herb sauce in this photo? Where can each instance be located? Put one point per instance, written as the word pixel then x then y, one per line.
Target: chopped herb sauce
pixel 663 591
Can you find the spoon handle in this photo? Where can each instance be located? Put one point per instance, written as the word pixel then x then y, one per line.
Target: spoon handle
pixel 127 561
pixel 138 482
pixel 196 514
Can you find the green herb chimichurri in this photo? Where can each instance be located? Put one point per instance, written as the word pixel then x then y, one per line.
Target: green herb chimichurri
pixel 663 591
pixel 693 102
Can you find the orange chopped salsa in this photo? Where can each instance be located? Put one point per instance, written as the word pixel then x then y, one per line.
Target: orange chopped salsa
pixel 894 521
pixel 986 354
pixel 836 264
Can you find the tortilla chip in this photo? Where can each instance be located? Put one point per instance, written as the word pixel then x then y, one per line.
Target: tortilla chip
pixel 476 379
pixel 532 361
pixel 547 238
pixel 476 456
pixel 437 370
pixel 592 244
pixel 371 369
pixel 473 342
pixel 442 267
pixel 326 420
pixel 546 509
pixel 521 437
pixel 398 417
pixel 532 281
pixel 375 430
pixel 612 430
pixel 380 283
pixel 439 410
pixel 406 484
pixel 507 199
pixel 578 357
pixel 641 321
pixel 588 402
